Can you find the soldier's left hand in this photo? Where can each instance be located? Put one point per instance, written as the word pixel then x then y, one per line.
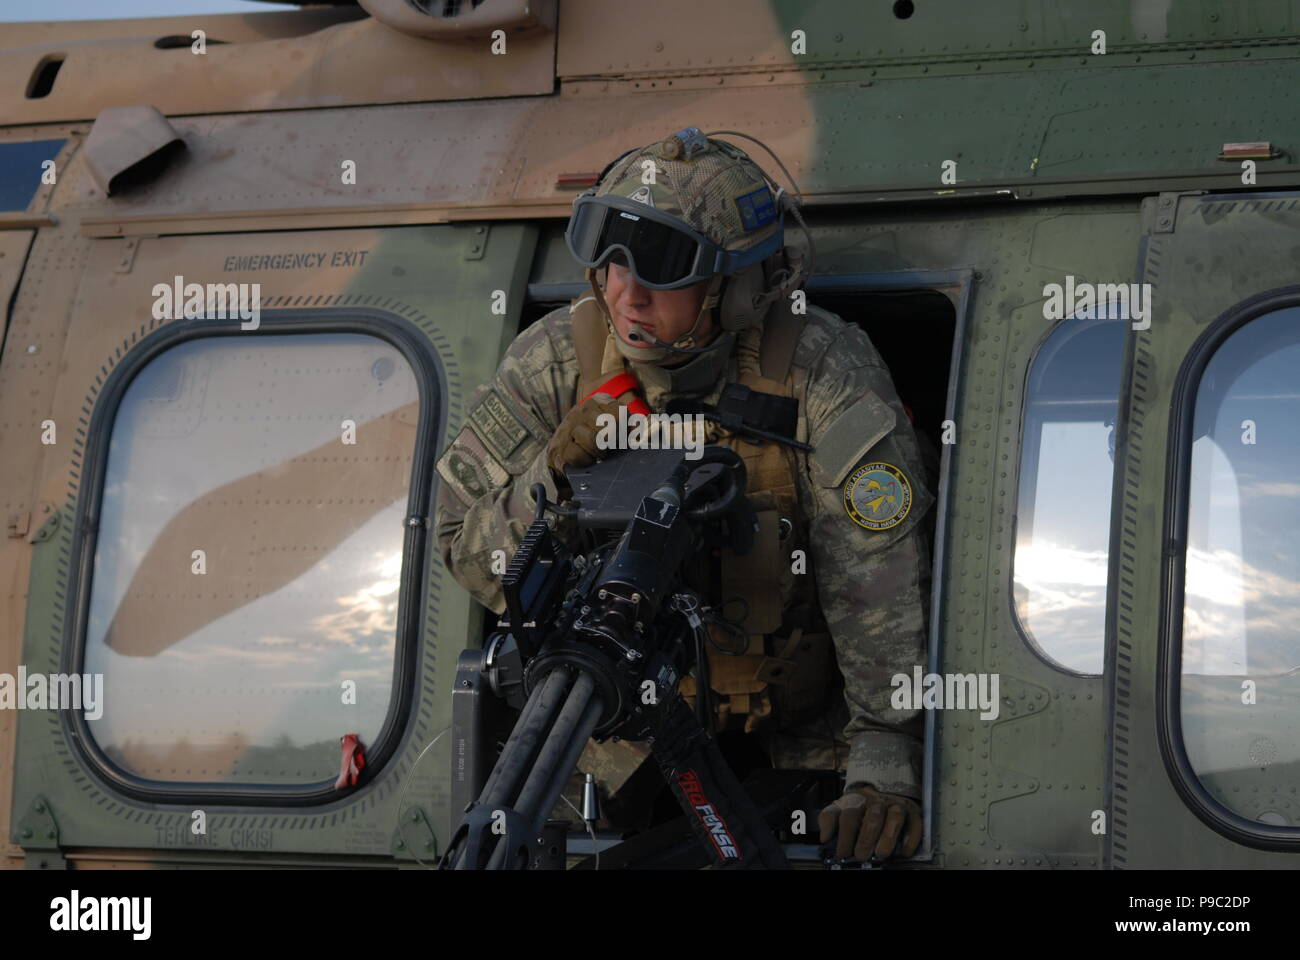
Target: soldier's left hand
pixel 867 823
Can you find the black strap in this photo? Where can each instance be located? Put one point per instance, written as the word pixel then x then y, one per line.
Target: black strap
pixel 741 407
pixel 720 812
pixel 752 413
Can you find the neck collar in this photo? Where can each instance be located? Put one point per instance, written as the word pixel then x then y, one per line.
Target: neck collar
pixel 696 377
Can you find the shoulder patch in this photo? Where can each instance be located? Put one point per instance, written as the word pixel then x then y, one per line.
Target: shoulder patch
pixel 878 496
pixel 496 426
pixel 847 440
pixel 469 469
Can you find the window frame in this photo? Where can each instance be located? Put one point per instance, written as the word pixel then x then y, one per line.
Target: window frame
pixel 427 365
pixel 1084 323
pixel 1169 734
pixel 40 151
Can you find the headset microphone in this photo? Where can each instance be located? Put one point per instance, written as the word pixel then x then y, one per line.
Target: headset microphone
pixel 655 341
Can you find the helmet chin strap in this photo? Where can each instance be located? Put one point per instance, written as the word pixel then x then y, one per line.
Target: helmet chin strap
pixel 660 350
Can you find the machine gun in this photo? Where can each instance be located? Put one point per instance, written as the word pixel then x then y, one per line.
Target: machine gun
pixel 593 645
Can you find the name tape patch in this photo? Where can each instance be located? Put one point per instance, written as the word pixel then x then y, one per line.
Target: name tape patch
pixel 498 428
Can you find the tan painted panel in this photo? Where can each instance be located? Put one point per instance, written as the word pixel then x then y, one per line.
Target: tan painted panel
pixel 599 38
pixel 31 368
pixel 13 568
pixel 231 27
pixel 388 215
pixel 28 375
pixel 582 133
pixel 348 63
pixel 113 304
pixel 13 251
pixel 22 220
pixel 422 163
pixel 50 131
pixel 424 155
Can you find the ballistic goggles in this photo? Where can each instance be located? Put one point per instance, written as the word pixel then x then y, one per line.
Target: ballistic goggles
pixel 662 252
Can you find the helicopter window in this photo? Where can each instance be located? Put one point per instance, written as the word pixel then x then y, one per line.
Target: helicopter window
pixel 1063 508
pixel 22 166
pixel 245 587
pixel 1240 680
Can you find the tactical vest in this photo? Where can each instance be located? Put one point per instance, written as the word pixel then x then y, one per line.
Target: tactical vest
pixel 779 662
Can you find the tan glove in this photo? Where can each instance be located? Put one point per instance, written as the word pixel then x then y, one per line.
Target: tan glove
pixel 867 823
pixel 574 441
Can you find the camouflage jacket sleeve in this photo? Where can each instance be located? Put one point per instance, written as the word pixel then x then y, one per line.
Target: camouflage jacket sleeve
pixel 485 474
pixel 870 571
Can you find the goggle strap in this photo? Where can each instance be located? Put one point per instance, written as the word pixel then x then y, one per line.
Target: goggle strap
pixel 724 262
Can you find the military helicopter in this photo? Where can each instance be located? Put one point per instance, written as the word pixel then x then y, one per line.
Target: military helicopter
pixel 253 265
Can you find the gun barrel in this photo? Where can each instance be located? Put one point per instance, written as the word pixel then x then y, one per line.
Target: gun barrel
pixel 574 723
pixel 515 760
pixel 554 727
pixel 567 723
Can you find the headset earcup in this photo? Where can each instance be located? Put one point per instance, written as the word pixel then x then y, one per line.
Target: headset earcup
pixel 738 309
pixel 737 305
pixel 726 304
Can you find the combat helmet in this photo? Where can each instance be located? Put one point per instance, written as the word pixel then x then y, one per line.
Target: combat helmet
pixel 685 210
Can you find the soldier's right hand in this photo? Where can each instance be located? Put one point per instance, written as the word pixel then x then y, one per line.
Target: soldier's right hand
pixel 574 442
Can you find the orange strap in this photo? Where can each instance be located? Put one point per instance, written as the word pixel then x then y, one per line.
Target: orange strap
pixel 354 761
pixel 618 385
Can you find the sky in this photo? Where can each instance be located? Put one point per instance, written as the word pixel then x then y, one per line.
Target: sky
pixel 12 10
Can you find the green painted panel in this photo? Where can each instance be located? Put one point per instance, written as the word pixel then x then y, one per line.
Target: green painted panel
pixel 1204 256
pixel 439 282
pixel 887 31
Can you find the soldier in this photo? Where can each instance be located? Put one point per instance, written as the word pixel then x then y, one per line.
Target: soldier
pixel 693 293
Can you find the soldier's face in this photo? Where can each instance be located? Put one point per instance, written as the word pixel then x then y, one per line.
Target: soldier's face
pixel 663 314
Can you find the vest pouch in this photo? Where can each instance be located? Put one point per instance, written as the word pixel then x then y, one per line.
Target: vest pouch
pixel 754 586
pixel 799 674
pixel 733 678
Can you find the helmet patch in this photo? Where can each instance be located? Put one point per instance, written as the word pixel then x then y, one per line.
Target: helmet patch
pixel 642 194
pixel 756 208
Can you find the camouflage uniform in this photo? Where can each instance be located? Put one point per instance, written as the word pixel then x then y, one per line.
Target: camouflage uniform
pixel 872 583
